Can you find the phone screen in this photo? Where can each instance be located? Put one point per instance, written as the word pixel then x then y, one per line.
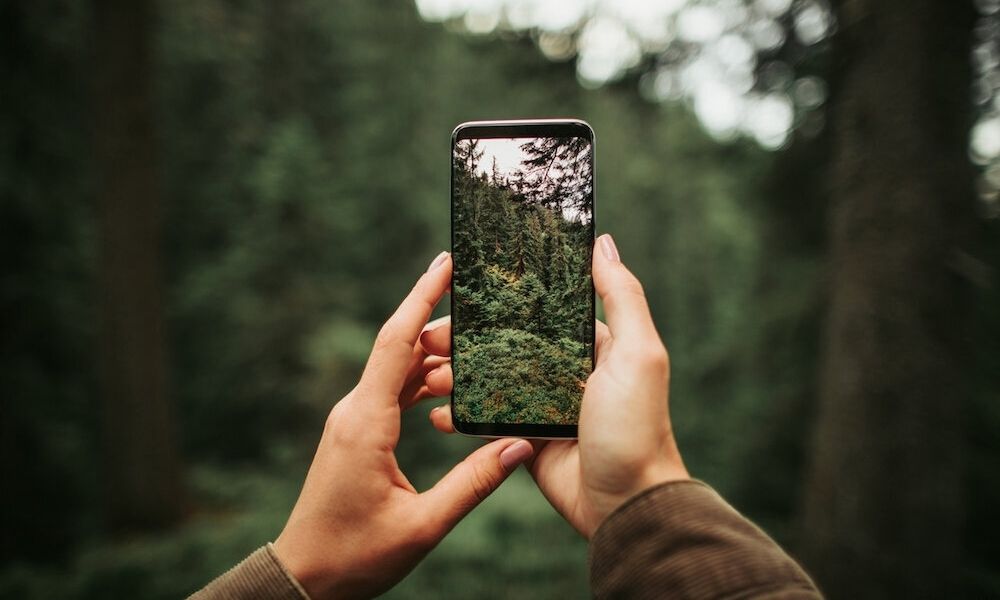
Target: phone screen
pixel 522 293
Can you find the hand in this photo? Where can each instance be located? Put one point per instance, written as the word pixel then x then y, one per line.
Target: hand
pixel 359 526
pixel 625 441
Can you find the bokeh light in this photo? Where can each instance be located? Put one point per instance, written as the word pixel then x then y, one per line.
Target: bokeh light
pixel 984 141
pixel 722 57
pixel 725 58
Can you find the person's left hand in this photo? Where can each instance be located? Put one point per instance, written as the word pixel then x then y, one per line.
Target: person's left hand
pixel 359 526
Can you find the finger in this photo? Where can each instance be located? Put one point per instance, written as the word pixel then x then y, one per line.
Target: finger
pixel 421 394
pixel 538 445
pixel 555 467
pixel 625 303
pixel 439 380
pixel 473 480
pixel 441 418
pixel 415 372
pixel 386 371
pixel 436 337
pixel 603 335
pixel 416 388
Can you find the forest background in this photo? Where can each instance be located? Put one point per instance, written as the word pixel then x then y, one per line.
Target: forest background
pixel 207 208
pixel 522 293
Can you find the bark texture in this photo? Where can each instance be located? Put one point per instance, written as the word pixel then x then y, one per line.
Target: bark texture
pixel 882 505
pixel 142 473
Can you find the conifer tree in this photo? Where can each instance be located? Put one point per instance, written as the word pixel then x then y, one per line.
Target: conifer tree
pixel 522 287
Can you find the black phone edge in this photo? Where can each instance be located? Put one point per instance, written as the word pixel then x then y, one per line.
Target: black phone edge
pixel 512 129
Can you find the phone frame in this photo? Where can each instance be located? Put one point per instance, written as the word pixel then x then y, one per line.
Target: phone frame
pixel 527 129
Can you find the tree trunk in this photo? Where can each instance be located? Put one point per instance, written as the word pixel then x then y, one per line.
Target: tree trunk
pixel 882 505
pixel 141 465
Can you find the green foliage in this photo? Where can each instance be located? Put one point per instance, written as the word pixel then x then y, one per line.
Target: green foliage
pixel 509 547
pixel 172 566
pixel 522 297
pixel 304 156
pixel 304 163
pixel 512 376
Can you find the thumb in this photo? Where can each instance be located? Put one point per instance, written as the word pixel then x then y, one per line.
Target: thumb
pixel 474 479
pixel 625 305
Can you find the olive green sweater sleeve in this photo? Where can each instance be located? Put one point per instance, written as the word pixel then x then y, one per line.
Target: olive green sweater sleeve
pixel 260 575
pixel 682 540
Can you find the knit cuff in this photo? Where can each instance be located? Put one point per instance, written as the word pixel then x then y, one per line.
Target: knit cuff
pixel 260 575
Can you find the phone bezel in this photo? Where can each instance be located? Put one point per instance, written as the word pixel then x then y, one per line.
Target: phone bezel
pixel 516 129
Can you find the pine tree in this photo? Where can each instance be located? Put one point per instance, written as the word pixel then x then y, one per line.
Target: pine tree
pixel 522 289
pixel 557 173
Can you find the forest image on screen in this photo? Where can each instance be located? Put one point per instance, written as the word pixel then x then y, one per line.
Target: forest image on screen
pixel 522 292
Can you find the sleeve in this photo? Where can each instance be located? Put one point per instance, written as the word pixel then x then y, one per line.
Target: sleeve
pixel 260 575
pixel 681 539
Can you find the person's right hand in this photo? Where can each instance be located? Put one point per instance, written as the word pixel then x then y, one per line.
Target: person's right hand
pixel 625 441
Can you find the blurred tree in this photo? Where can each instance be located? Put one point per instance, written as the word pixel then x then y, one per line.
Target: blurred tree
pixel 772 54
pixel 47 412
pixel 141 464
pixel 883 505
pixel 305 150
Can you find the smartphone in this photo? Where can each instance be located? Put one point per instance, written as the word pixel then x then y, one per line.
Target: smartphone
pixel 522 295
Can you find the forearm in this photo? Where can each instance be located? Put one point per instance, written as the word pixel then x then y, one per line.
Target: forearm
pixel 682 539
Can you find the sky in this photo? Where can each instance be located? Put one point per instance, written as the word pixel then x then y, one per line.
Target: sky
pixel 507 152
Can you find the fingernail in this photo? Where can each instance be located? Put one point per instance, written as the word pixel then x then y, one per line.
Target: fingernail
pixel 437 261
pixel 435 409
pixel 424 336
pixel 608 246
pixel 515 454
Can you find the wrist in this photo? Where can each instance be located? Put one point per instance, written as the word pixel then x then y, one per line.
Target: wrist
pixel 662 472
pixel 305 572
pixel 655 474
pixel 294 581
